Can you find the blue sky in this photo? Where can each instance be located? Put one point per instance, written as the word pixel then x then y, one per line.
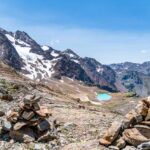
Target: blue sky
pixel 109 30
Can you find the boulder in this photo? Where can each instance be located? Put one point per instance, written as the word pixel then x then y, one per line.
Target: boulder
pixel 111 134
pixel 25 135
pixel 113 147
pixel 12 116
pixel 2 90
pixel 43 125
pixel 148 115
pixel 142 108
pixel 42 146
pixel 130 148
pixel 6 97
pixel 144 146
pixel 131 118
pixel 1 113
pixel 19 125
pixel 27 115
pixel 147 123
pixel 28 97
pixel 105 142
pixel 24 106
pixel 144 130
pixel 120 143
pixel 36 106
pixel 134 137
pixel 43 111
pixel 44 136
pixel 31 99
pixel 35 118
pixel 7 126
pixel 148 99
pixel 37 99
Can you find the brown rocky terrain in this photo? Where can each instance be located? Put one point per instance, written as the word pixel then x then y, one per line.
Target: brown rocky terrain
pixel 132 130
pixel 81 118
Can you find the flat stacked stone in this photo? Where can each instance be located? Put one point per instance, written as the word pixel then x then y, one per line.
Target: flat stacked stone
pixel 29 122
pixel 134 129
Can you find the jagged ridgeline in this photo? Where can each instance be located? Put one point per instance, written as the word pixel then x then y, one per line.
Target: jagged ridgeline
pixel 38 62
pixel 42 62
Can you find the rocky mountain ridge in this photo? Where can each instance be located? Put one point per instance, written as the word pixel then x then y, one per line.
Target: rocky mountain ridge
pixel 133 76
pixel 43 62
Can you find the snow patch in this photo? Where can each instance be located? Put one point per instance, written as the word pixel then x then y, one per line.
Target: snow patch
pixel 100 69
pixel 13 40
pixel 10 38
pixel 70 79
pixel 76 61
pixel 45 48
pixel 35 66
pixel 34 63
pixel 53 53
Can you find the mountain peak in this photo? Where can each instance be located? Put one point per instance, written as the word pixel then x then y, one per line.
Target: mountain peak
pixel 71 53
pixel 23 36
pixel 1 29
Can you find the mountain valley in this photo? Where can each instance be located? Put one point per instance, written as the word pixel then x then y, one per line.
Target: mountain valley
pixel 68 85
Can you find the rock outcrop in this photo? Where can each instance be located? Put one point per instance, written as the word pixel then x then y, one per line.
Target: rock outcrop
pixel 8 53
pixel 133 130
pixel 29 122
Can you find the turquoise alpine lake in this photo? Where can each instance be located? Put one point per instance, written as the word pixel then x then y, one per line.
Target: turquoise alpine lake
pixel 104 97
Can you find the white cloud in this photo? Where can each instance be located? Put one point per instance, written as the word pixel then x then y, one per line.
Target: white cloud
pixel 144 51
pixel 104 45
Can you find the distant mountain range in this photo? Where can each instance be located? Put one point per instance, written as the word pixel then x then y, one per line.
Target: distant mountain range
pixel 41 62
pixel 134 77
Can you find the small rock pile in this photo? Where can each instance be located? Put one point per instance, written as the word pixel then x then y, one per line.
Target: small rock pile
pixel 29 122
pixel 133 130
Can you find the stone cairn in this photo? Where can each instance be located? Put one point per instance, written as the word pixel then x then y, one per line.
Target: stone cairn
pixel 133 130
pixel 29 122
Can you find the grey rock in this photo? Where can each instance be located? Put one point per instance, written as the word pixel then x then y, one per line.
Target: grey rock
pixel 27 115
pixel 129 148
pixel 8 53
pixel 6 125
pixel 113 148
pixel 6 97
pixel 144 146
pixel 25 135
pixel 43 125
pixel 1 113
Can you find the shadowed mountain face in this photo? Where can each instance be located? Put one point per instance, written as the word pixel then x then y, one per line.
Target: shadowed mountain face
pixel 134 77
pixel 101 75
pixel 143 68
pixel 8 53
pixel 38 62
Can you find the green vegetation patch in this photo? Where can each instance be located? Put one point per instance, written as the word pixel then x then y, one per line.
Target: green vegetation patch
pixel 130 94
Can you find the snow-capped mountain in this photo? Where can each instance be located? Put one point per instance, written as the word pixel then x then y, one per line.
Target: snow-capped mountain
pixel 41 62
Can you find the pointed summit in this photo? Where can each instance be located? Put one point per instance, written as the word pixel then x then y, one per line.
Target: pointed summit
pixel 71 53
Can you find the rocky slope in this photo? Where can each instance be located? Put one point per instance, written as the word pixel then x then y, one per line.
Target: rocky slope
pixel 43 62
pixel 129 66
pixel 133 77
pixel 81 124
